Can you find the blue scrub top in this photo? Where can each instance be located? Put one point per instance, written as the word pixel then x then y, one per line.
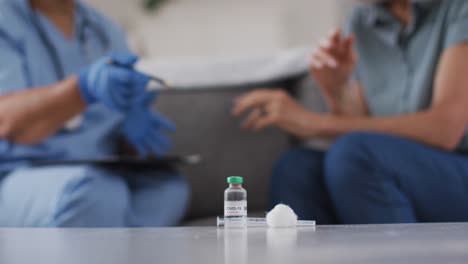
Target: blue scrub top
pixel 397 65
pixel 25 63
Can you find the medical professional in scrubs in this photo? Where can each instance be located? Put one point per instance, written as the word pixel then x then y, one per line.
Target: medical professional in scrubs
pixel 60 98
pixel 396 83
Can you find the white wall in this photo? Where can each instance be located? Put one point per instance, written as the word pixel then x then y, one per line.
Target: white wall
pixel 220 27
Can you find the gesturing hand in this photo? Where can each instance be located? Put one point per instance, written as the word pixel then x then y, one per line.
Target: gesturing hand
pixel 145 129
pixel 276 108
pixel 332 65
pixel 118 87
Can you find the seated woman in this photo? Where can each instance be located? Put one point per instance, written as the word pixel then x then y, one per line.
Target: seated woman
pixel 397 89
pixel 54 66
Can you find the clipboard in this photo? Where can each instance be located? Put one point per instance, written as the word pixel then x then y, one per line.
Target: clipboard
pixel 137 163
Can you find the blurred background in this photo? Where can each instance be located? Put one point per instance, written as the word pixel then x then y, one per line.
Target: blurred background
pixel 167 34
pixel 181 28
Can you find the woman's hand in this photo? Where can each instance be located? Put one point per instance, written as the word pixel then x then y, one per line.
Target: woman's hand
pixel 276 108
pixel 332 65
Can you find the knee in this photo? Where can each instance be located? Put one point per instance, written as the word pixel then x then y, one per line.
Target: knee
pixel 350 159
pixel 179 189
pixel 182 193
pixel 347 150
pixel 94 198
pixel 172 194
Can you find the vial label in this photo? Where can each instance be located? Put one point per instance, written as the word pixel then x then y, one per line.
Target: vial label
pixel 235 209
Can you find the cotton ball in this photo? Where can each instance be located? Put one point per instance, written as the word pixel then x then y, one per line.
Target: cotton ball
pixel 281 216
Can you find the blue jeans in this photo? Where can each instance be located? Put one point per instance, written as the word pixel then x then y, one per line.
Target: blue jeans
pixel 373 178
pixel 84 196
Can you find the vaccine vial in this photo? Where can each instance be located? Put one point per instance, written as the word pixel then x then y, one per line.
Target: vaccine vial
pixel 235 203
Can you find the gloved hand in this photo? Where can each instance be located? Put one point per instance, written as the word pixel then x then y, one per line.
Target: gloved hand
pixel 144 128
pixel 117 87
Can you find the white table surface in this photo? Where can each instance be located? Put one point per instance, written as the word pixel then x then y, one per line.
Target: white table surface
pixel 422 243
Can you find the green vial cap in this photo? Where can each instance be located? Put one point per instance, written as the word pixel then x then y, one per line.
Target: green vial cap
pixel 235 179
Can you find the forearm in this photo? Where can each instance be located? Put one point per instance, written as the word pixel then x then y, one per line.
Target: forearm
pixel 32 115
pixel 433 128
pixel 349 101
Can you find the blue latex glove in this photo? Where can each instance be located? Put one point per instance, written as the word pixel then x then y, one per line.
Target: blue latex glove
pixel 144 128
pixel 117 87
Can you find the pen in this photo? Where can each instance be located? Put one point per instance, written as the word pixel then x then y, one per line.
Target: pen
pixel 152 77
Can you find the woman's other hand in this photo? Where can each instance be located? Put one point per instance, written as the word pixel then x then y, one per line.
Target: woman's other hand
pixel 332 64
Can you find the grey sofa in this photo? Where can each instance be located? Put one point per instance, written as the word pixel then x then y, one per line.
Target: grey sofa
pixel 205 126
pixel 201 105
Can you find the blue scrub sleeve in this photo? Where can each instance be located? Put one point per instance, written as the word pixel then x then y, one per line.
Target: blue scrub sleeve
pixel 13 76
pixel 458 30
